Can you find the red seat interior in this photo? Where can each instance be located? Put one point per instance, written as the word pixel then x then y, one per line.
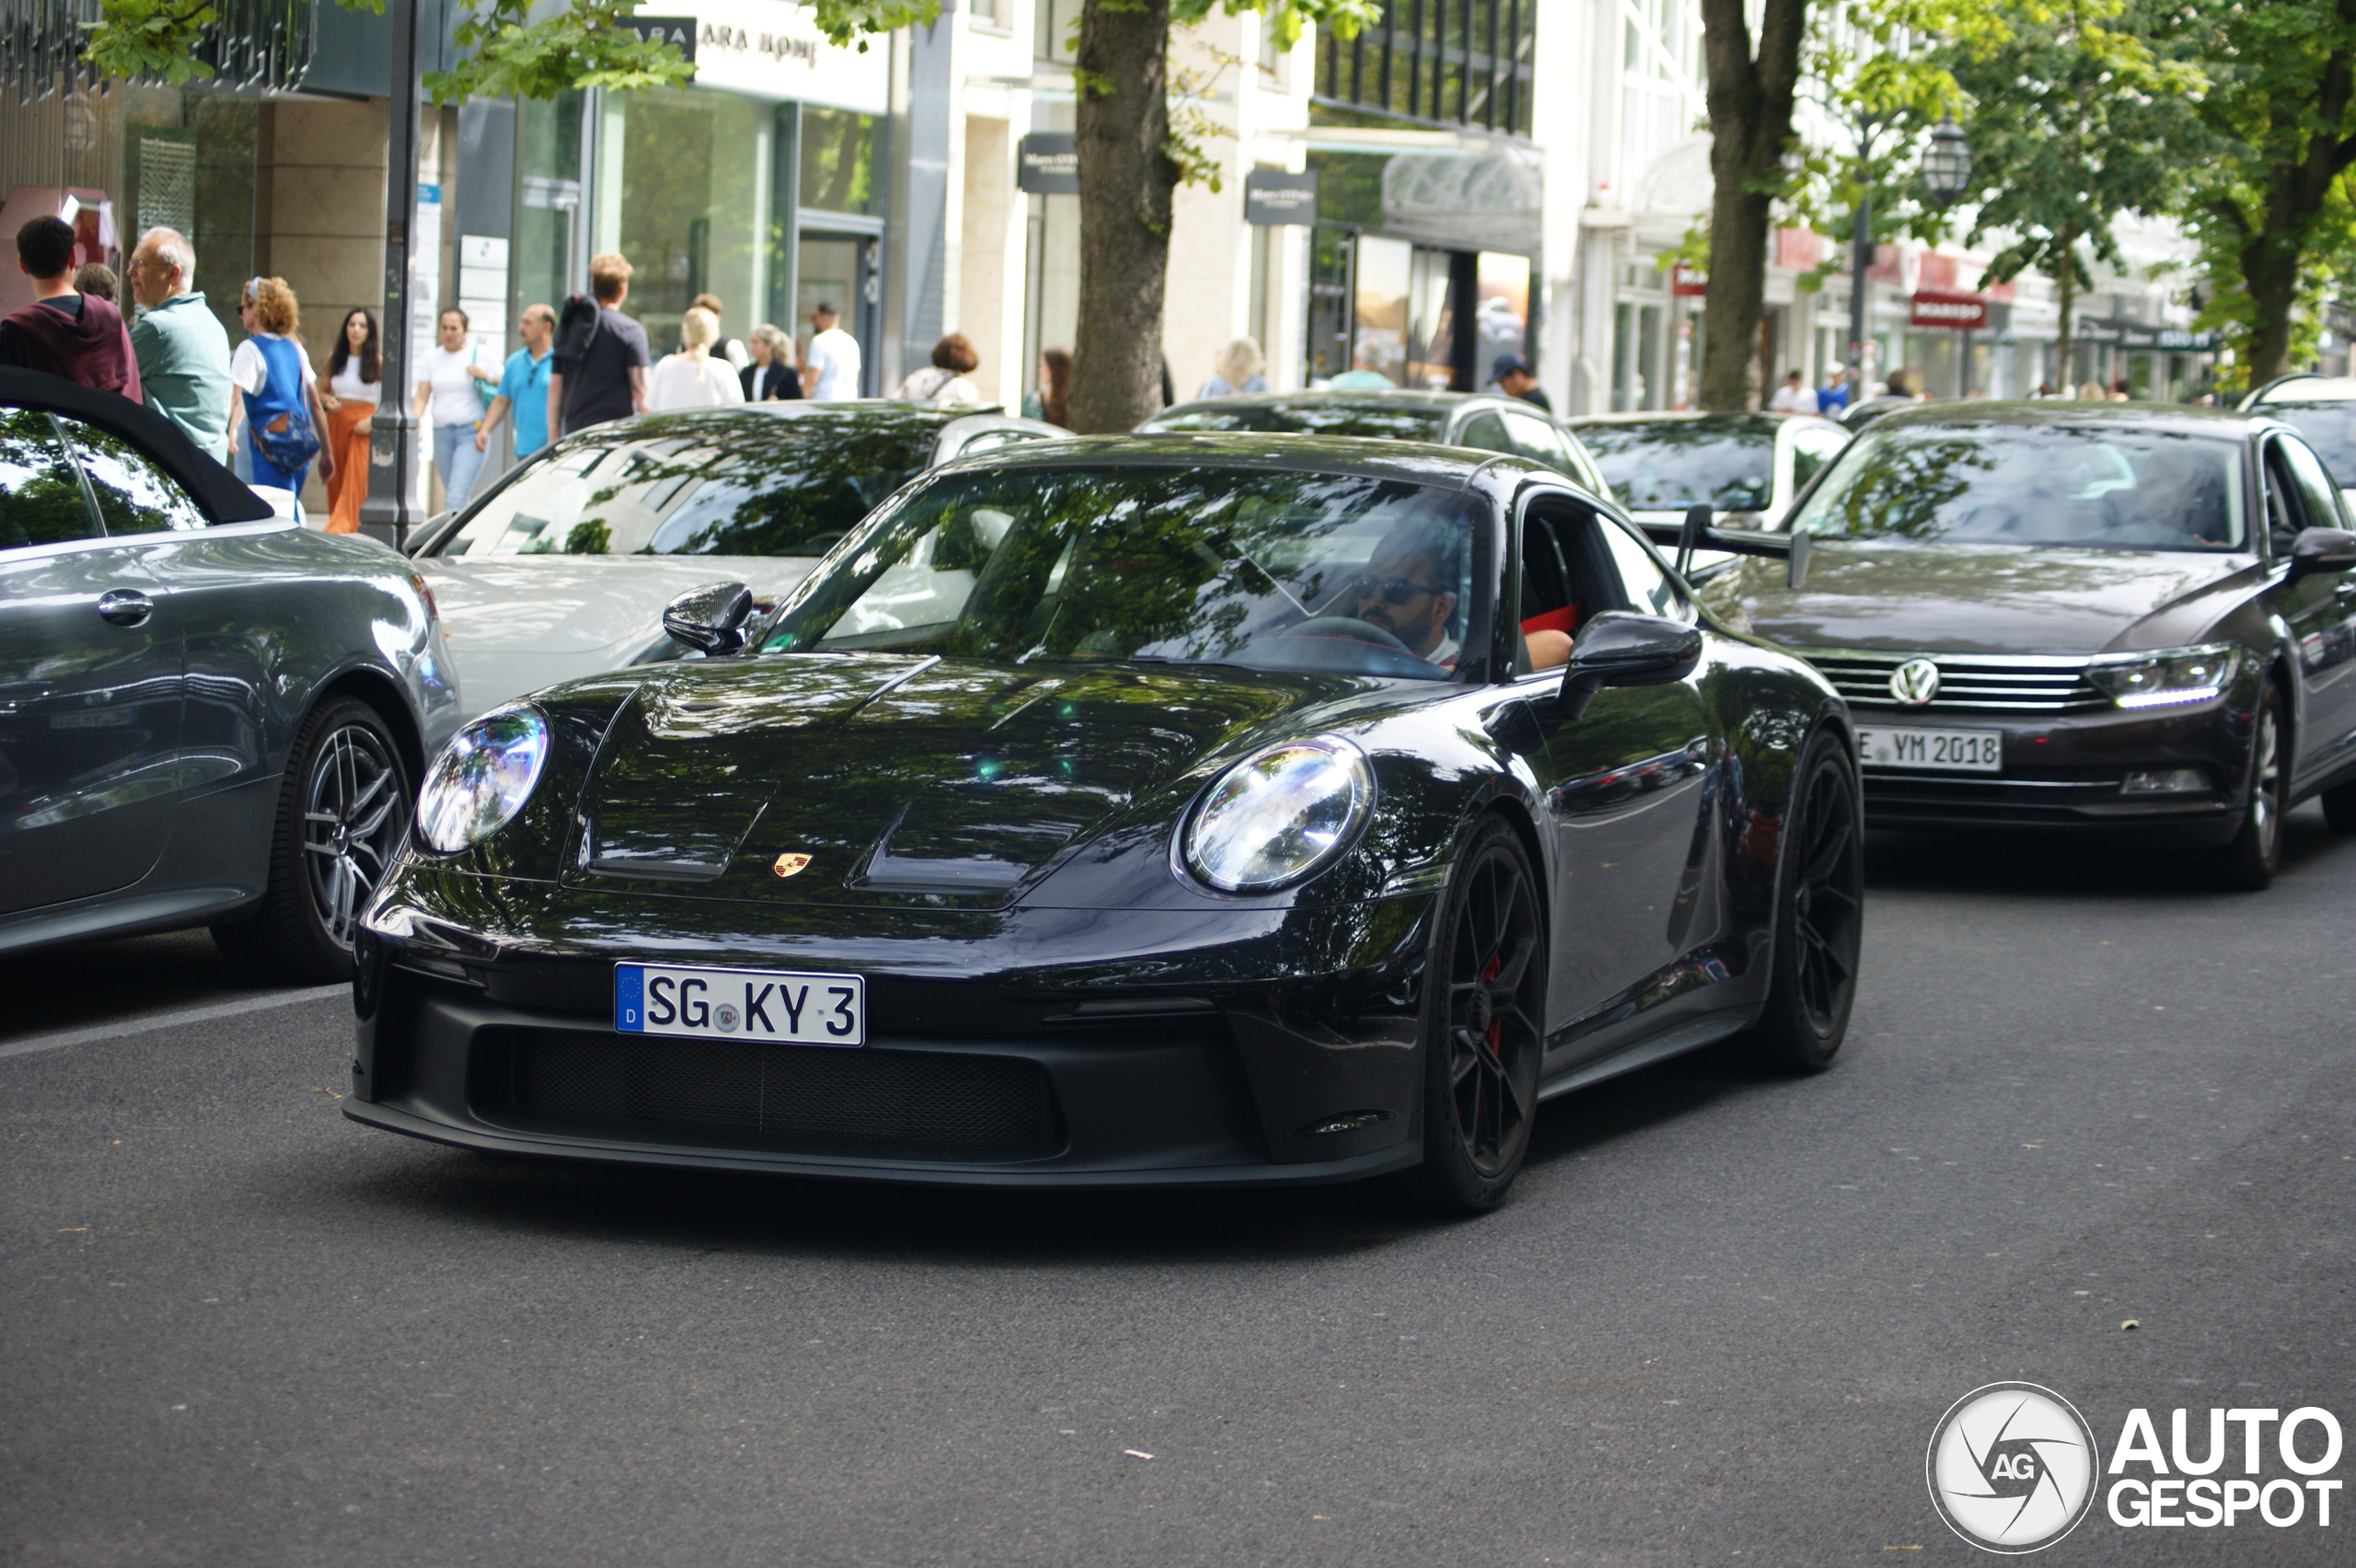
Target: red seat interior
pixel 1565 620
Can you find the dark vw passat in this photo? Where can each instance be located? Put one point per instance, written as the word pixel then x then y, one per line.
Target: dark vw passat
pixel 2121 619
pixel 1186 810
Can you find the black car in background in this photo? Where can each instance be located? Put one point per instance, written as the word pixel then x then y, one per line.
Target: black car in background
pixel 1181 811
pixel 2322 409
pixel 209 714
pixel 1488 421
pixel 2111 617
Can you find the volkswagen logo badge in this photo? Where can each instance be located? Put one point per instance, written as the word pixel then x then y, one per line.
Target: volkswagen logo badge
pixel 1915 682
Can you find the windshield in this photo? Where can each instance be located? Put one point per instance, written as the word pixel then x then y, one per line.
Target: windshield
pixel 1178 564
pixel 1674 464
pixel 755 486
pixel 2082 487
pixel 2330 429
pixel 1308 418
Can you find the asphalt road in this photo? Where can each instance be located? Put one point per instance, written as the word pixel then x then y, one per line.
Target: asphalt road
pixel 1715 1324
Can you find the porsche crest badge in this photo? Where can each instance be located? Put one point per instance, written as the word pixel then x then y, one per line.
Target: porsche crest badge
pixel 789 864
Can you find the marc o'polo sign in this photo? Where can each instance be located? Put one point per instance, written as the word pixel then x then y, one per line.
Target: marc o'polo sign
pixel 1938 307
pixel 1274 196
pixel 1047 164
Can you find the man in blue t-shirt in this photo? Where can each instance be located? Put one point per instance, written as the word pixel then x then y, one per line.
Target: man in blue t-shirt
pixel 523 385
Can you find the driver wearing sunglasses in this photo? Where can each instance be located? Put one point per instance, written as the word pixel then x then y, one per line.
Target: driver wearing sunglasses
pixel 1400 593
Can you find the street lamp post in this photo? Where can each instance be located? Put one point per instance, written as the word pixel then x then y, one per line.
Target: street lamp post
pixel 390 510
pixel 1947 175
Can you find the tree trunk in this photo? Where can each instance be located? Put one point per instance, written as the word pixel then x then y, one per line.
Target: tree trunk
pixel 1121 120
pixel 1750 123
pixel 2270 274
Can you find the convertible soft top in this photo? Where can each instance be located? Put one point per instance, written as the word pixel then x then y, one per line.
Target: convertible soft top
pixel 218 491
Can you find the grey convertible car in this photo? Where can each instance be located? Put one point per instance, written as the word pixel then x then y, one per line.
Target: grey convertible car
pixel 209 715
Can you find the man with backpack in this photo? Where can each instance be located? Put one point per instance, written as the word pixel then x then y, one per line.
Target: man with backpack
pixel 601 356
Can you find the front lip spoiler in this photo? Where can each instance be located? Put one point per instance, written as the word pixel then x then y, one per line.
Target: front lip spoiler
pixel 393 1119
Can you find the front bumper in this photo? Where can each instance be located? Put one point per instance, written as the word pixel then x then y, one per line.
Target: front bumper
pixel 2068 772
pixel 998 1076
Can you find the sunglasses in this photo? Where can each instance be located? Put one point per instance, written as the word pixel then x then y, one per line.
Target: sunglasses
pixel 1395 591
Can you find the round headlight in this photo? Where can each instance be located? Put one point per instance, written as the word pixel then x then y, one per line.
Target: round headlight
pixel 1280 814
pixel 482 778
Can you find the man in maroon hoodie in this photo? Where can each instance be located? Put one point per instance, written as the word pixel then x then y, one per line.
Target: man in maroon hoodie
pixel 79 337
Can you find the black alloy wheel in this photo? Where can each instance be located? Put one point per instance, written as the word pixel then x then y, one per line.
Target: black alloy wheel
pixel 2250 862
pixel 1819 922
pixel 343 812
pixel 1484 1030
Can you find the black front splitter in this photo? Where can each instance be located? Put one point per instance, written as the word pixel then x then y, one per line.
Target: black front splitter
pixel 393 1119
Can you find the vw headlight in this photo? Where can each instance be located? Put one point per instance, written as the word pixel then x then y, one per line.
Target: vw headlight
pixel 482 778
pixel 2167 679
pixel 1279 816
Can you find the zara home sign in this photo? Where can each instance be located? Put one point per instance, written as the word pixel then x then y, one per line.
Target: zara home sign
pixel 771 48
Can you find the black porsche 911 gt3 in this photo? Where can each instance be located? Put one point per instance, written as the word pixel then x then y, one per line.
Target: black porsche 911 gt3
pixel 1181 811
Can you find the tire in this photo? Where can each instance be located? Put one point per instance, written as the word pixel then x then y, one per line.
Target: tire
pixel 1483 1027
pixel 341 815
pixel 1819 916
pixel 2250 862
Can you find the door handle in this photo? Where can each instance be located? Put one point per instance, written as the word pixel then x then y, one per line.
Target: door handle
pixel 125 607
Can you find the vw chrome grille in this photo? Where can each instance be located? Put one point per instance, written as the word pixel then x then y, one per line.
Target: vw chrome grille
pixel 1978 682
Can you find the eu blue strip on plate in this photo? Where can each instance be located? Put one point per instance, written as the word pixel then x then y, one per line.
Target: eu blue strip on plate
pixel 629 998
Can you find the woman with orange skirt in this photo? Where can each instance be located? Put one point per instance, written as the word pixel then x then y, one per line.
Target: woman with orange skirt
pixel 355 378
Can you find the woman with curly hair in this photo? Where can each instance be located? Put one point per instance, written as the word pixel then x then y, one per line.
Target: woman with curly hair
pixel 278 396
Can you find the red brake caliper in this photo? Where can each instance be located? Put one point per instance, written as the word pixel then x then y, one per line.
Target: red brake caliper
pixel 1497 961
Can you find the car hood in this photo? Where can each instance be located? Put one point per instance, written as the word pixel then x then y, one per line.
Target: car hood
pixel 914 779
pixel 581 605
pixel 1979 598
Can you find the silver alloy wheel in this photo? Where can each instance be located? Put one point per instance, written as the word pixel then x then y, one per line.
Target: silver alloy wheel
pixel 2266 784
pixel 352 822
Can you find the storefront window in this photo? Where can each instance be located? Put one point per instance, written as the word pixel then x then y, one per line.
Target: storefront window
pixel 838 162
pixel 549 147
pixel 688 186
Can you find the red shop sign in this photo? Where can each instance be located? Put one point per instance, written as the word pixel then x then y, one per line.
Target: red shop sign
pixel 1684 282
pixel 1938 307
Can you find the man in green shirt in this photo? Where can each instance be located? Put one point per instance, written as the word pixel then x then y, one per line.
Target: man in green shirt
pixel 183 353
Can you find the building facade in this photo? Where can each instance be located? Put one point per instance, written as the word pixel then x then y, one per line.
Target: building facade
pixel 1455 183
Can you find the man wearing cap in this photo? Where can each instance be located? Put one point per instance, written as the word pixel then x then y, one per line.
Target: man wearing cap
pixel 1512 373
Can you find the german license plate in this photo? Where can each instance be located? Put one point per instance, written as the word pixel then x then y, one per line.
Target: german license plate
pixel 1940 751
pixel 761 1007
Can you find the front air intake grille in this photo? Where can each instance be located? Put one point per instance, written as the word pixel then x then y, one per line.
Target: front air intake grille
pixel 1969 683
pixel 872 1102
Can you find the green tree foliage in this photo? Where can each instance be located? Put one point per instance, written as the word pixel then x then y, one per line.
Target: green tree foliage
pixel 2268 197
pixel 510 55
pixel 2074 119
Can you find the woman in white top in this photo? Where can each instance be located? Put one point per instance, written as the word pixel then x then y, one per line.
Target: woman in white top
pixel 694 378
pixel 944 380
pixel 446 392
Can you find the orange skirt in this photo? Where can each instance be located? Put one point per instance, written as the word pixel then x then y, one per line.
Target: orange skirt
pixel 348 439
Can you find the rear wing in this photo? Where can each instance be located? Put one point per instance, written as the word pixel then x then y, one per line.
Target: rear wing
pixel 1697 533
